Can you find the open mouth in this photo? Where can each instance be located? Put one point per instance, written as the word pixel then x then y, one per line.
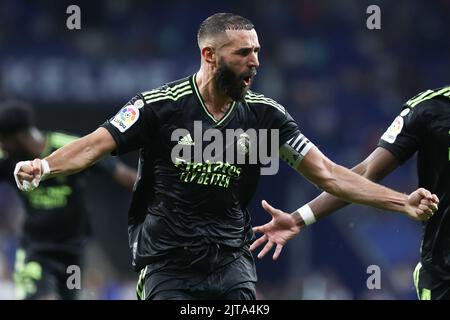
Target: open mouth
pixel 247 81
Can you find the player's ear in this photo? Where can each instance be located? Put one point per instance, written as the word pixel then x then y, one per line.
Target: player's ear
pixel 209 54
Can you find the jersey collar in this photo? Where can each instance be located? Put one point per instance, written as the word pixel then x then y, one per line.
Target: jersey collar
pixel 207 113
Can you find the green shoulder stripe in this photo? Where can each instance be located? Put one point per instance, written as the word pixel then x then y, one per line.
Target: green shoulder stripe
pixel 259 98
pixel 172 93
pixel 165 89
pixel 427 95
pixel 169 93
pixel 168 97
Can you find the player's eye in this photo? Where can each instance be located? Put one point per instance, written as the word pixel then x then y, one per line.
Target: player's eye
pixel 244 52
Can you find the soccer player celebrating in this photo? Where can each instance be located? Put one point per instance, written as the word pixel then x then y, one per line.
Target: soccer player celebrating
pixel 188 224
pixel 423 126
pixel 56 225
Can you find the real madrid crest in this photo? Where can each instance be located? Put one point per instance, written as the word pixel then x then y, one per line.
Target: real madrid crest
pixel 243 143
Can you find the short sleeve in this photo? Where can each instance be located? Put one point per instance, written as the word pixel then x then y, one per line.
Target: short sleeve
pixel 293 145
pixel 285 123
pixel 289 132
pixel 402 138
pixel 133 126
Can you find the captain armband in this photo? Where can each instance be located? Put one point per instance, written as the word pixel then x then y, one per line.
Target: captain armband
pixel 295 149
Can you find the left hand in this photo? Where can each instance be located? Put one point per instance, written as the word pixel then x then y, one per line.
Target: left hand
pixel 278 231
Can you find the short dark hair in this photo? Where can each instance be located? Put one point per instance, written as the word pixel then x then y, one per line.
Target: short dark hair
pixel 220 22
pixel 15 116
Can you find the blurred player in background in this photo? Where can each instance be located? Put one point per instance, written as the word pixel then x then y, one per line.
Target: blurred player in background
pixel 189 226
pixel 56 225
pixel 423 126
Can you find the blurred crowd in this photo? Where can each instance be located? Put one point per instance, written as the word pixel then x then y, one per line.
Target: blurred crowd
pixel 342 82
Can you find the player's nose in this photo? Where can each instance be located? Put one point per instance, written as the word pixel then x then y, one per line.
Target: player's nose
pixel 253 60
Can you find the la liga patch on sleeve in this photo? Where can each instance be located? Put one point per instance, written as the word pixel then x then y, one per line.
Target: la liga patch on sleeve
pixel 393 131
pixel 125 118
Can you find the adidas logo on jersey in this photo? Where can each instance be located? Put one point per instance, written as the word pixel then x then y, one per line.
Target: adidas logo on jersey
pixel 186 140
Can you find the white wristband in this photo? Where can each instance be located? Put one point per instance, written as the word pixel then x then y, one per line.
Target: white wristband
pixel 45 168
pixel 307 215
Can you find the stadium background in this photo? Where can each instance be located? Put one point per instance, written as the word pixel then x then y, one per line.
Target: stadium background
pixel 343 83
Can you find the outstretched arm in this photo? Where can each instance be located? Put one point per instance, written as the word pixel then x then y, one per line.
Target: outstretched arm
pixel 380 163
pixel 72 158
pixel 351 187
pixel 375 167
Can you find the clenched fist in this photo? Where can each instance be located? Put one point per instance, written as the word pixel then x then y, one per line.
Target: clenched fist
pixel 28 174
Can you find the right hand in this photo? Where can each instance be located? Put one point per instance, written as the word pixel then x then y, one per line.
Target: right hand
pixel 28 174
pixel 421 204
pixel 278 231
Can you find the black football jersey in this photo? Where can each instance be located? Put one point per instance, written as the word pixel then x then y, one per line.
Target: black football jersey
pixel 184 198
pixel 424 126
